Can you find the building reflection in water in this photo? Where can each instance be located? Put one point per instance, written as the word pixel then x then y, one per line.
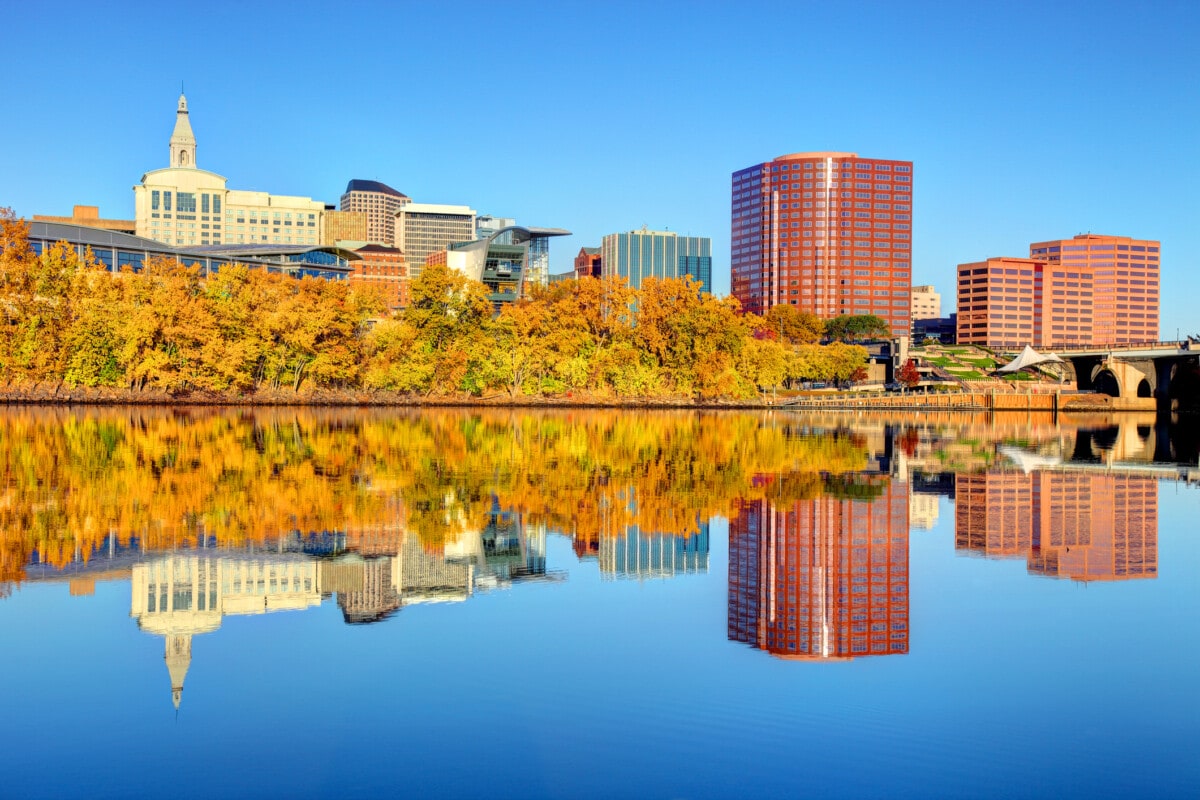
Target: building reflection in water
pixel 637 554
pixel 179 595
pixel 1079 525
pixel 822 579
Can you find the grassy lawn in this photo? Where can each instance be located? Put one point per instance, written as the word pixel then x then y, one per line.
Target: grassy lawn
pixel 989 363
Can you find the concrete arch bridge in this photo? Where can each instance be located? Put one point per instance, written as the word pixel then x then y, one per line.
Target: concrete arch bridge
pixel 1167 373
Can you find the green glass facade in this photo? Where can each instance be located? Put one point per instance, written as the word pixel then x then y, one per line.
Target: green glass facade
pixel 638 255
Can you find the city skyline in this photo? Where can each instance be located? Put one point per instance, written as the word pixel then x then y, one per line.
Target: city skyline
pixel 952 88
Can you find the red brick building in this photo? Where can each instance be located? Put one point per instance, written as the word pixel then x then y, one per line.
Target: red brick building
pixel 384 267
pixel 829 233
pixel 587 263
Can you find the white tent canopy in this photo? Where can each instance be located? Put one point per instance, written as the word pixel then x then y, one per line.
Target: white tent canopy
pixel 1029 358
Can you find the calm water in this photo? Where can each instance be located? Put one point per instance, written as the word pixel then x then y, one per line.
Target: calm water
pixel 600 604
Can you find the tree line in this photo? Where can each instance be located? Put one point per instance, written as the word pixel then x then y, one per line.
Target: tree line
pixel 66 320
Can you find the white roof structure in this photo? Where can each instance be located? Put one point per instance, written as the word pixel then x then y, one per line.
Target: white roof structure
pixel 1029 358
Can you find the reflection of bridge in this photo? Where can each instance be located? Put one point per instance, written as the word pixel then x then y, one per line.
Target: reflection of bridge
pixel 1169 372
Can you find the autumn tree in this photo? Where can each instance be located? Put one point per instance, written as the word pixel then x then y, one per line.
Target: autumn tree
pixel 790 324
pixel 908 374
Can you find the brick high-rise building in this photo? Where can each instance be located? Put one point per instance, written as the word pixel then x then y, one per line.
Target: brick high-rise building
pixel 829 233
pixel 1124 273
pixel 821 579
pixel 380 202
pixel 1001 304
pixel 1089 290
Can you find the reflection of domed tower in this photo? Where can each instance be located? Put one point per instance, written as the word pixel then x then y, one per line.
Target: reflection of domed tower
pixel 183 141
pixel 178 658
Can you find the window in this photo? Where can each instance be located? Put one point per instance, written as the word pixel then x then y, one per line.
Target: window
pixel 185 202
pixel 166 201
pixel 154 197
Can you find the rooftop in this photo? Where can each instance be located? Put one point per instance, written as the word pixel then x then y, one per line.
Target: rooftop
pixel 360 185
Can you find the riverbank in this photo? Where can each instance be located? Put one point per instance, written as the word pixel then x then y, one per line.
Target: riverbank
pixel 831 401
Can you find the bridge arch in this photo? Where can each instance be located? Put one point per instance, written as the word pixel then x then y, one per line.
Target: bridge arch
pixel 1106 382
pixel 1143 388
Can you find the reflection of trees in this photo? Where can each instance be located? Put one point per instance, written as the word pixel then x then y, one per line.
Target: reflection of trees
pixel 165 479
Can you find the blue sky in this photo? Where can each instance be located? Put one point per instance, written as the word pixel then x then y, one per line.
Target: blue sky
pixel 1026 121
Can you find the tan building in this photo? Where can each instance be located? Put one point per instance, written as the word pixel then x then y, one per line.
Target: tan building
pixel 183 205
pixel 926 303
pixel 380 203
pixel 344 226
pixel 90 216
pixel 425 228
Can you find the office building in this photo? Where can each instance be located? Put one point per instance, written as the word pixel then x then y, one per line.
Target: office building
pixel 1124 276
pixel 588 263
pixel 943 329
pixel 1088 290
pixel 486 225
pixel 827 232
pixel 186 206
pixel 638 255
pixel 502 262
pixel 380 203
pixel 822 579
pixel 926 303
pixel 425 228
pixel 345 226
pixel 1000 304
pixel 90 217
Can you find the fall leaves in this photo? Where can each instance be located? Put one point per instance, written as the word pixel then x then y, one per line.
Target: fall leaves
pixel 67 320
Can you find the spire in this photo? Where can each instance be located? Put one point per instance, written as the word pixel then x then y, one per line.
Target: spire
pixel 178 658
pixel 183 141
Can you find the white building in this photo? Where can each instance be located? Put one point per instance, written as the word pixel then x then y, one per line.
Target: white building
pixel 424 228
pixel 183 205
pixel 926 303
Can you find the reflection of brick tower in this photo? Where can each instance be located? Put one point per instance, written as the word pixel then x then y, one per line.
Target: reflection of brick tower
pixel 824 578
pixel 1085 526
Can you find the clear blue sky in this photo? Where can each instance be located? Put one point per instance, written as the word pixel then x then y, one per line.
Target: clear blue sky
pixel 1026 121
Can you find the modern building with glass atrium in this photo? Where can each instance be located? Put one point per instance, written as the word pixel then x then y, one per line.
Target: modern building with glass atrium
pixel 118 250
pixel 505 261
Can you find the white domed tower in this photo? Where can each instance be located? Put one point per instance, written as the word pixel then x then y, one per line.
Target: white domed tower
pixel 183 141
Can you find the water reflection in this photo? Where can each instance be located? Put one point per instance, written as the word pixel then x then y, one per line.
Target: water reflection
pixel 1064 524
pixel 213 513
pixel 825 578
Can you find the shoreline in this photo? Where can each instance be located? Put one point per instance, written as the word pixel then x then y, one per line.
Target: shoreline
pixel 964 401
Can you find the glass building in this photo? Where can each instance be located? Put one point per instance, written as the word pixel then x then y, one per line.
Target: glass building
pixel 638 255
pixel 118 250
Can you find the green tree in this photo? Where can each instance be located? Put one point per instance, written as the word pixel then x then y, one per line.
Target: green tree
pixel 857 328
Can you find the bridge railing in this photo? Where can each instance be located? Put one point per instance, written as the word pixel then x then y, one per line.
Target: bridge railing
pixel 1175 345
